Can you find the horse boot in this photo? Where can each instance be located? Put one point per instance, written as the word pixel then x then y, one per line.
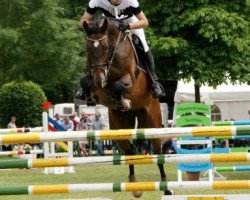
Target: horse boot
pixel 79 94
pixel 157 88
pixel 86 86
pixel 84 89
pixel 83 92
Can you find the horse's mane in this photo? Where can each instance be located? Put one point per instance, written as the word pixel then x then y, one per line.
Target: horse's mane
pixel 95 24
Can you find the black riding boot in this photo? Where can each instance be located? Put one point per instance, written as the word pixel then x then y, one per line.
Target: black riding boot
pixel 157 88
pixel 82 92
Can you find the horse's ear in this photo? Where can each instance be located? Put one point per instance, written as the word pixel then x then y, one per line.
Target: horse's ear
pixel 86 27
pixel 104 26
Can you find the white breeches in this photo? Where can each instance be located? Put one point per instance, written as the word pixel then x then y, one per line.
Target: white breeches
pixel 139 32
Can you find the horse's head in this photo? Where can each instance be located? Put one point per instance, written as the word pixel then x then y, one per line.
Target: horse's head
pixel 98 50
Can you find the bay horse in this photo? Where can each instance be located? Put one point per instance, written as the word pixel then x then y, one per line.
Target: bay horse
pixel 121 85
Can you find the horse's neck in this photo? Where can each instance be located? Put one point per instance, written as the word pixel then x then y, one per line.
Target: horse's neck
pixel 113 33
pixel 126 51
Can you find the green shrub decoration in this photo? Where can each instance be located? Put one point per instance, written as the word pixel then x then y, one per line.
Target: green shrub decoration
pixel 23 100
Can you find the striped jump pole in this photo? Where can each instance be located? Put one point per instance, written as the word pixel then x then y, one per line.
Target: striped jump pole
pixel 232 123
pixel 232 150
pixel 232 168
pixel 232 137
pixel 21 130
pixel 20 152
pixel 124 187
pixel 124 160
pixel 125 134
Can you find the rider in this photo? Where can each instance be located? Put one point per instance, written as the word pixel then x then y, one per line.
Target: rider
pixel 133 19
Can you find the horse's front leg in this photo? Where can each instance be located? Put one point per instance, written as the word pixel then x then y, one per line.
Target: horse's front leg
pixel 156 143
pixel 86 84
pixel 120 87
pixel 128 149
pixel 124 120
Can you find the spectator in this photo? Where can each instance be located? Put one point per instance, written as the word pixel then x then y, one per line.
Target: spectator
pixel 85 117
pixel 75 123
pixel 68 124
pixel 169 147
pixel 98 124
pixel 82 144
pixel 76 117
pixel 225 142
pixel 12 123
pixel 58 119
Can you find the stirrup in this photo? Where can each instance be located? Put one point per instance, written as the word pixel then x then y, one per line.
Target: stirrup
pixel 158 90
pixel 79 94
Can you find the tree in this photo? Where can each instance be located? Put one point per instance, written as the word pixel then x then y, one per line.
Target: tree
pixel 51 46
pixel 8 54
pixel 206 40
pixel 23 100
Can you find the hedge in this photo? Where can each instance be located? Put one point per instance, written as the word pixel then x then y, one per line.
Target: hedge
pixel 23 100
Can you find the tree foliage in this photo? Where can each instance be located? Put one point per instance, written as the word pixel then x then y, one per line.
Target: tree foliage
pixel 23 100
pixel 202 39
pixel 207 40
pixel 51 46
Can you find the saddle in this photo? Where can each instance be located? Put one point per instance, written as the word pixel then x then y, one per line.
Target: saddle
pixel 139 51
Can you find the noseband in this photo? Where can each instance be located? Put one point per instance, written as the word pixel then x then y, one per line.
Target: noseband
pixel 109 62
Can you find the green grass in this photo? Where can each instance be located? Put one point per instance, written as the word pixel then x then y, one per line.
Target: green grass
pixel 103 174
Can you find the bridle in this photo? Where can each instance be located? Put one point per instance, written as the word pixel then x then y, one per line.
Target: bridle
pixel 107 65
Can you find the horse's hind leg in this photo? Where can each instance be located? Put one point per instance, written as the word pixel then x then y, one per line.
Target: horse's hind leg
pixel 124 120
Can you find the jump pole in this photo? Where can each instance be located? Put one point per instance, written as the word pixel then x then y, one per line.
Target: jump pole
pixel 232 123
pixel 125 134
pixel 207 197
pixel 21 130
pixel 232 168
pixel 124 187
pixel 20 152
pixel 125 160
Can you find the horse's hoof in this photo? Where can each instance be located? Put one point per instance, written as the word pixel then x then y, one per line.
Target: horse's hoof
pixel 90 102
pixel 127 104
pixel 169 192
pixel 137 194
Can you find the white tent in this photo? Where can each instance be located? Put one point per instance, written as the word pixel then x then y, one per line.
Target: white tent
pixel 232 100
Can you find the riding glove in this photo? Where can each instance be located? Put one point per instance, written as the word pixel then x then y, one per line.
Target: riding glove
pixel 123 26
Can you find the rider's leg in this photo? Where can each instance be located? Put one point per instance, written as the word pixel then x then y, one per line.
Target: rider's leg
pixel 84 91
pixel 85 82
pixel 157 88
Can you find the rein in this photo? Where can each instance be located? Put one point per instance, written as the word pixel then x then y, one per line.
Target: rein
pixel 97 40
pixel 117 45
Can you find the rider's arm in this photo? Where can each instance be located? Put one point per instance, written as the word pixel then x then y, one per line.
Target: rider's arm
pixel 90 11
pixel 86 17
pixel 142 23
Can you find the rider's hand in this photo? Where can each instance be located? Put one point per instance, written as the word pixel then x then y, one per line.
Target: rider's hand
pixel 123 26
